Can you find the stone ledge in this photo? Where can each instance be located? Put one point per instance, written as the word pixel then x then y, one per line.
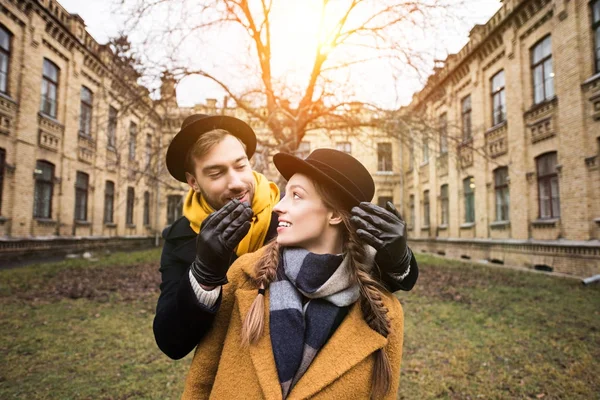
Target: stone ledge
pixel 79 222
pixel 46 221
pixel 442 227
pixel 110 225
pixel 545 223
pixel 500 225
pixel 467 225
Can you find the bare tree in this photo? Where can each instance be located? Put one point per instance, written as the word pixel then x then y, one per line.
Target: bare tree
pixel 351 34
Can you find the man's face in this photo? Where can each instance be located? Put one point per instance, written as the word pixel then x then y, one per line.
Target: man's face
pixel 223 174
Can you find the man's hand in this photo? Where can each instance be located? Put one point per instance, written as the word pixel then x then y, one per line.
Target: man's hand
pixel 385 230
pixel 219 235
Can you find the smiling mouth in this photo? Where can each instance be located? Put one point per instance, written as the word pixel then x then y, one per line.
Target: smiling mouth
pixel 240 197
pixel 284 224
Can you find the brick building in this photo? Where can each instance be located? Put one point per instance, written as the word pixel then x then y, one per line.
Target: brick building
pixel 504 163
pixel 82 145
pixel 79 139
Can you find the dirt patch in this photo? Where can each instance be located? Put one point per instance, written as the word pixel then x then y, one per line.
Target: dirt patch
pixel 130 283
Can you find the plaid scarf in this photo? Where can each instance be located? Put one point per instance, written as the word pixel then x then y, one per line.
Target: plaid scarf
pixel 299 331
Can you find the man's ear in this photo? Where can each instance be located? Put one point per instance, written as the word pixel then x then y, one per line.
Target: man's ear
pixel 335 218
pixel 192 182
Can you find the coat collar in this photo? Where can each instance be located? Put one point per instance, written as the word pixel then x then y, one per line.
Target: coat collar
pixel 352 342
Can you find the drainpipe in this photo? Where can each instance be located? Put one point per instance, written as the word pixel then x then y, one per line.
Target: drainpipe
pixel 591 279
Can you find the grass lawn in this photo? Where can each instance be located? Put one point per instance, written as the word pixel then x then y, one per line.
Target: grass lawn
pixel 83 330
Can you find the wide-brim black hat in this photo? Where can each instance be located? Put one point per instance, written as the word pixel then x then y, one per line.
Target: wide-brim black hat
pixel 334 168
pixel 196 125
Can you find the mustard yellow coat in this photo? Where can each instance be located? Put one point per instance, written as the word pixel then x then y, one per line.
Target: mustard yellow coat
pixel 223 369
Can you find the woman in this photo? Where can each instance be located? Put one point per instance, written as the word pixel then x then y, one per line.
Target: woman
pixel 304 317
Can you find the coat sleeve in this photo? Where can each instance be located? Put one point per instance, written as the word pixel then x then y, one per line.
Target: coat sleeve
pixel 393 281
pixel 181 321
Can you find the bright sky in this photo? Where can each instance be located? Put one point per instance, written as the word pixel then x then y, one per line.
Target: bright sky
pixel 104 20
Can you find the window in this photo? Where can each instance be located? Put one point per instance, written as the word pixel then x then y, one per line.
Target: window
pixel 384 157
pixel 174 205
pixel 85 119
pixel 444 204
pixel 44 184
pixel 498 99
pixel 466 118
pixel 112 128
pixel 548 186
pixel 148 154
pixel 81 196
pixel 543 75
pixel 501 190
pixel 382 200
pixel 2 166
pixel 49 88
pixel 5 42
pixel 130 204
pixel 596 29
pixel 469 193
pixel 411 206
pixel 426 208
pixel 425 149
pixel 132 139
pixel 146 208
pixel 109 202
pixel 443 133
pixel 303 149
pixel 346 147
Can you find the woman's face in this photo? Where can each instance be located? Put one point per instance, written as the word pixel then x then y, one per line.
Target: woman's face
pixel 304 219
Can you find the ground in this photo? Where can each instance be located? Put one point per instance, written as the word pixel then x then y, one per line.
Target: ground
pixel 82 329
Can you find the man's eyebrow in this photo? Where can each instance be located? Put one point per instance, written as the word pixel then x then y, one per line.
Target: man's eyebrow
pixel 219 167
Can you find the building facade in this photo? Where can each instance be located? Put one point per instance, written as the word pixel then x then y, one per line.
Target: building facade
pixel 79 139
pixel 504 160
pixel 82 145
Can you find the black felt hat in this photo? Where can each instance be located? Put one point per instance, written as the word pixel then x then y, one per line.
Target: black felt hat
pixel 334 168
pixel 196 125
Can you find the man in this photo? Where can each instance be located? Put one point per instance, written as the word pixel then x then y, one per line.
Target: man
pixel 211 154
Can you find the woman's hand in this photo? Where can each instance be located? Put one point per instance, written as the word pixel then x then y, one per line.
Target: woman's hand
pixel 385 230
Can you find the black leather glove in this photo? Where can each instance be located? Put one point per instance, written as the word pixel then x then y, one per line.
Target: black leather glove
pixel 385 230
pixel 219 234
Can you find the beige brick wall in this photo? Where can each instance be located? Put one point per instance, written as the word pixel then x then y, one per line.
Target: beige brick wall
pixel 575 117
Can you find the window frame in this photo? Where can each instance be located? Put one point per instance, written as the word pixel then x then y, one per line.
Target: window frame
pixel 443 129
pixel 48 82
pixel 595 5
pixel 426 209
pixel 499 93
pixel 425 150
pixel 4 75
pixel 546 180
pixel 411 207
pixel 43 183
pixel 132 140
pixel 344 146
pixel 86 109
pixel 129 212
pixel 111 129
pixel 148 153
pixel 384 152
pixel 466 108
pixel 469 199
pixel 502 192
pixel 173 208
pixel 146 208
pixel 445 204
pixel 109 198
pixel 542 64
pixel 82 183
pixel 2 167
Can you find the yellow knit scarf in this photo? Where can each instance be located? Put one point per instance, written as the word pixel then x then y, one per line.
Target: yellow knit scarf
pixel 266 195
